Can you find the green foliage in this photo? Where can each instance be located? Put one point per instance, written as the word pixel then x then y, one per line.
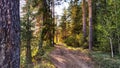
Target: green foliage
pixel 71 41
pixel 44 64
pixel 33 14
pixel 104 60
pixel 71 24
pixel 75 41
pixel 106 18
pixel 106 22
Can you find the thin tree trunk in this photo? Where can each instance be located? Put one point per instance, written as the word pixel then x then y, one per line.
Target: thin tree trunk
pixel 53 22
pixel 84 19
pixel 44 19
pixel 28 54
pixel 9 34
pixel 56 36
pixel 90 25
pixel 118 44
pixel 111 46
pixel 41 39
pixel 119 48
pixel 28 41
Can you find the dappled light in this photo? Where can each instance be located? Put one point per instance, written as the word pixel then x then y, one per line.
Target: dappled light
pixel 60 33
pixel 63 57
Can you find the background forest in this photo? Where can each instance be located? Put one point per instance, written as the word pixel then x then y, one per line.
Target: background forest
pixel 92 24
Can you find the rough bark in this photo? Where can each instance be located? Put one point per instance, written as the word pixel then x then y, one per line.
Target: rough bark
pixel 84 19
pixel 90 24
pixel 9 34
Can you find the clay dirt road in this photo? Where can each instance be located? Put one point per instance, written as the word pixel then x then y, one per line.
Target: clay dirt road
pixel 62 57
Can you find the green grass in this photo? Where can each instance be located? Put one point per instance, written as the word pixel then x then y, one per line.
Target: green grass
pixel 82 50
pixel 104 60
pixel 45 62
pixel 39 61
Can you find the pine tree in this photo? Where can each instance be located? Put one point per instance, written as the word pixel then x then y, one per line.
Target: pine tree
pixel 9 34
pixel 90 25
pixel 28 36
pixel 84 19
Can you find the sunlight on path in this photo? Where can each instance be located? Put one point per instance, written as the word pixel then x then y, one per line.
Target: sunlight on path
pixel 61 57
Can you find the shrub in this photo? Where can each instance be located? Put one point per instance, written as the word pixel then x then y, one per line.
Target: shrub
pixel 72 41
pixel 104 60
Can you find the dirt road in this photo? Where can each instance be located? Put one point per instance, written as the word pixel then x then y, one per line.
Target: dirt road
pixel 62 57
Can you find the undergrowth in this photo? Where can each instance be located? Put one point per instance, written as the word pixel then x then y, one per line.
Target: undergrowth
pixel 45 59
pixel 80 49
pixel 104 60
pixel 40 61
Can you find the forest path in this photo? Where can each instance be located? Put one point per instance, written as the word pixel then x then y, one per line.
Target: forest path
pixel 63 57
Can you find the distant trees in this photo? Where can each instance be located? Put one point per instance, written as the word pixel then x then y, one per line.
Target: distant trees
pixel 91 24
pixel 106 34
pixel 45 17
pixel 63 24
pixel 9 34
pixel 101 31
pixel 37 30
pixel 71 24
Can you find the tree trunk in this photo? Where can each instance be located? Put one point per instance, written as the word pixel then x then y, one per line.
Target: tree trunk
pixel 111 46
pixel 44 17
pixel 119 48
pixel 28 54
pixel 90 25
pixel 28 39
pixel 53 22
pixel 42 24
pixel 9 34
pixel 41 39
pixel 84 19
pixel 118 44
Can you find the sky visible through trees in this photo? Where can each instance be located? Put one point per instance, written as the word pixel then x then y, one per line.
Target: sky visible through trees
pixel 58 9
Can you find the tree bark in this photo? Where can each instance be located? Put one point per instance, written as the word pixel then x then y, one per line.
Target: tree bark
pixel 28 39
pixel 84 19
pixel 9 34
pixel 119 44
pixel 53 22
pixel 90 25
pixel 42 24
pixel 111 46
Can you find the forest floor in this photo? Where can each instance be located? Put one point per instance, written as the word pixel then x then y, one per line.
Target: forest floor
pixel 62 57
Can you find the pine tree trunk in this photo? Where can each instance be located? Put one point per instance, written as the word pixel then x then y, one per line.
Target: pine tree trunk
pixel 84 19
pixel 28 45
pixel 53 23
pixel 9 34
pixel 28 54
pixel 90 25
pixel 42 24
